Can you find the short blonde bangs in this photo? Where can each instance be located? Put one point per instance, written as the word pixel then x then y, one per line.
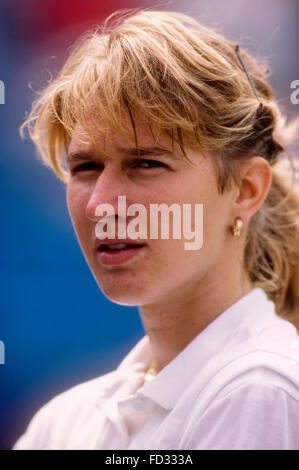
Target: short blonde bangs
pixel 179 76
pixel 187 80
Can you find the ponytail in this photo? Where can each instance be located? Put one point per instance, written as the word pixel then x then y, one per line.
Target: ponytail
pixel 272 247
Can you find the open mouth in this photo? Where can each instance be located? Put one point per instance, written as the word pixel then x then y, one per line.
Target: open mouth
pixel 118 247
pixel 118 253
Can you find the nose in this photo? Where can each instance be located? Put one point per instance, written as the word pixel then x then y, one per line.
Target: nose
pixel 110 184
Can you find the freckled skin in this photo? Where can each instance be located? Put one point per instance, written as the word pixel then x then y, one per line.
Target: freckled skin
pixel 165 265
pixel 178 291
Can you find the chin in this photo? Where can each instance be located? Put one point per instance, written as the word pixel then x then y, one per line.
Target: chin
pixel 122 293
pixel 125 299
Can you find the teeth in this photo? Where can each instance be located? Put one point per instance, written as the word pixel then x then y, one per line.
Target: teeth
pixel 117 246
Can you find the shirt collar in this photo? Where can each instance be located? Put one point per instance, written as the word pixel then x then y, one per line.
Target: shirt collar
pixel 170 383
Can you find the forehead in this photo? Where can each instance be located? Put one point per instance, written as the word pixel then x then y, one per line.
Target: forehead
pixel 95 137
pixel 100 134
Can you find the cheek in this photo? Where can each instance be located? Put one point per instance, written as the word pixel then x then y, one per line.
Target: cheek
pixel 69 199
pixel 76 202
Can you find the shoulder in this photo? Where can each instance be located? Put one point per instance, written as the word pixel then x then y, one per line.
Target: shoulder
pixel 269 355
pixel 251 398
pixel 252 401
pixel 270 363
pixel 252 414
pixel 82 393
pixel 62 413
pixel 75 415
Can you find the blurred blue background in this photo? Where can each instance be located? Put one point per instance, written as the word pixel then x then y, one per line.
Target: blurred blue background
pixel 57 326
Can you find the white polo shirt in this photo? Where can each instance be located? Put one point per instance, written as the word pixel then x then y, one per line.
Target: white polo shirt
pixel 235 386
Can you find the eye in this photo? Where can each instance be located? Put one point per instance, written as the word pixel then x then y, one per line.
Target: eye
pixel 84 167
pixel 148 164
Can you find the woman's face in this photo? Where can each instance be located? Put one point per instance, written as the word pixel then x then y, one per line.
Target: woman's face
pixel 162 270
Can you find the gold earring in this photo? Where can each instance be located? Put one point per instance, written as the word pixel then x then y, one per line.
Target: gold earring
pixel 238 227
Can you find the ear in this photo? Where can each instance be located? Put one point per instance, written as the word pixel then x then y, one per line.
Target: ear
pixel 255 182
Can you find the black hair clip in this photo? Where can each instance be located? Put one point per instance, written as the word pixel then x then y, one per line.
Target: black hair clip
pixel 249 78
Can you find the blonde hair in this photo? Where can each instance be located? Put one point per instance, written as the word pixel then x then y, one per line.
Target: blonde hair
pixel 185 79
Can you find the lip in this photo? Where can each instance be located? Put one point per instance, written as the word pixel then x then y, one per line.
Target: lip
pixel 115 241
pixel 113 258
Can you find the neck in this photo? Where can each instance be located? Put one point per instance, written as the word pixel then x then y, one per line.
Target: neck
pixel 173 323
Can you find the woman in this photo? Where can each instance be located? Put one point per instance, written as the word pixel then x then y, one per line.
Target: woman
pixel 163 110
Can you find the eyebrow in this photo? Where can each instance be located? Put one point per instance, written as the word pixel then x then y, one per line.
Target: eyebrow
pixel 78 156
